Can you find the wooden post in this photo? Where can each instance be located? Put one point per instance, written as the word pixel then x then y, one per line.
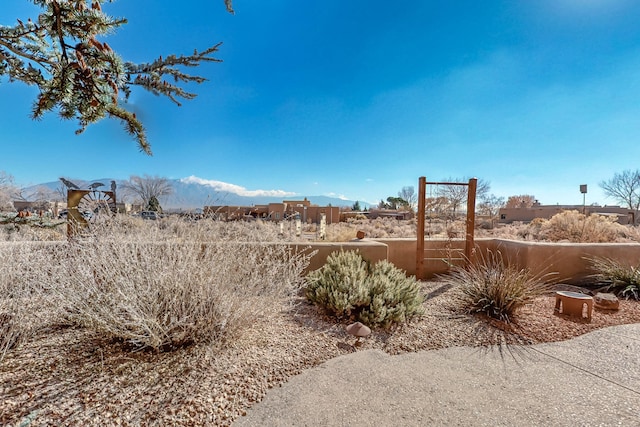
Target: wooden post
pixel 471 220
pixel 422 185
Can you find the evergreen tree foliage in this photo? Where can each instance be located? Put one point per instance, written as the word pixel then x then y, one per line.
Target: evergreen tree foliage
pixel 79 75
pixel 154 205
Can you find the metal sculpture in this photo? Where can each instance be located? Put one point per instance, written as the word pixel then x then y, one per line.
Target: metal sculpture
pixel 87 206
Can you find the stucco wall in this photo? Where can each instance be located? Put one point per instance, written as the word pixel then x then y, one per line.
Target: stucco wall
pixel 369 249
pixel 569 260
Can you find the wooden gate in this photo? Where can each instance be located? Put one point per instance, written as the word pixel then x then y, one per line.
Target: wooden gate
pixel 431 254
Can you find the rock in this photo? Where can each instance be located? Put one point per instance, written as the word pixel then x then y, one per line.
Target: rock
pixel 357 329
pixel 360 234
pixel 606 301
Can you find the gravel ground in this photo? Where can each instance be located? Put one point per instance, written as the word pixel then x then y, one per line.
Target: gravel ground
pixel 68 376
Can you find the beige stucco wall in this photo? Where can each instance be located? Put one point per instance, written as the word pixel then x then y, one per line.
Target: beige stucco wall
pixel 567 262
pixel 369 249
pixel 570 261
pixel 402 253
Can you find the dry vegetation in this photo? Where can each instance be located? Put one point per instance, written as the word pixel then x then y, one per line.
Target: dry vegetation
pixel 196 336
pixel 568 226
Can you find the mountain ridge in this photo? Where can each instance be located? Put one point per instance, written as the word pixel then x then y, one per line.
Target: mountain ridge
pixel 189 195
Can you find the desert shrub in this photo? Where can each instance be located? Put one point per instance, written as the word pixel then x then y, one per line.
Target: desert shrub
pixel 375 229
pixel 341 232
pixel 348 286
pixel 620 278
pixel 20 286
pixel 12 288
pixel 32 231
pixel 494 287
pixel 574 226
pixel 160 289
pixel 394 296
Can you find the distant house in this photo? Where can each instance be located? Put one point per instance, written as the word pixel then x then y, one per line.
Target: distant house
pixel 391 213
pixel 527 214
pixel 303 209
pixel 21 205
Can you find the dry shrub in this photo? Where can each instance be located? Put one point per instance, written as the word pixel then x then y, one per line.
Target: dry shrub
pixel 573 226
pixel 21 287
pixel 32 231
pixel 495 288
pixel 618 277
pixel 163 286
pixel 341 232
pixel 375 229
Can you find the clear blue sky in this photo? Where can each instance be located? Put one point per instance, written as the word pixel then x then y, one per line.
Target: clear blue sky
pixel 359 98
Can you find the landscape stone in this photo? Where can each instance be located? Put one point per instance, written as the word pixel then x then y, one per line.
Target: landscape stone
pixel 606 301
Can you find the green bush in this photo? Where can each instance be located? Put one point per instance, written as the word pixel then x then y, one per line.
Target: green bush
pixel 620 278
pixel 348 286
pixel 493 287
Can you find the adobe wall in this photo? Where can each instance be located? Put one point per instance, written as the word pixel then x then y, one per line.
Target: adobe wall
pixel 569 260
pixel 369 249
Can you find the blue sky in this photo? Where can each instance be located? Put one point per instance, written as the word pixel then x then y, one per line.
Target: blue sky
pixel 359 98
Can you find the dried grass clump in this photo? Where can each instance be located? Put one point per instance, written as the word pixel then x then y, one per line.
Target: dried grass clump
pixel 21 286
pixel 376 229
pixel 573 226
pixel 163 287
pixel 493 287
pixel 618 277
pixel 32 231
pixel 348 286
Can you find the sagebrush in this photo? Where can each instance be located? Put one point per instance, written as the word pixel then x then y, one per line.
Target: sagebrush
pixel 153 284
pixel 492 286
pixel 22 284
pixel 199 286
pixel 350 287
pixel 575 227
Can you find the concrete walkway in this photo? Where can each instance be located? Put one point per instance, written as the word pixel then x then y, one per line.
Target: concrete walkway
pixel 591 380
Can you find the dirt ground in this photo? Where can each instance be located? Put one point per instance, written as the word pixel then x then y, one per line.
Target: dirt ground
pixel 69 376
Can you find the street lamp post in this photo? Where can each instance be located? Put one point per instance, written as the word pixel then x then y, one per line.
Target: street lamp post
pixel 583 190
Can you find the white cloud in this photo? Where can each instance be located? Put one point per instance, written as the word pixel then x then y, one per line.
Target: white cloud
pixel 337 196
pixel 236 189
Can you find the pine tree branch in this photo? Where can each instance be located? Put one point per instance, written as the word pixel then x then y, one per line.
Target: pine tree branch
pixel 83 78
pixel 151 76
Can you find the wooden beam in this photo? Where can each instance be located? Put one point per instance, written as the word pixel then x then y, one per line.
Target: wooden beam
pixel 422 205
pixel 471 220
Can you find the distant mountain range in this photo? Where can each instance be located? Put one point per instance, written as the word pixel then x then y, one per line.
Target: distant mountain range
pixel 189 194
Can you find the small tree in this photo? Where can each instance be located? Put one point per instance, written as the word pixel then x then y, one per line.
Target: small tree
pixel 383 205
pixel 7 190
pixel 356 207
pixel 147 188
pixel 624 187
pixel 408 194
pixel 397 203
pixel 154 205
pixel 456 195
pixel 520 201
pixel 490 205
